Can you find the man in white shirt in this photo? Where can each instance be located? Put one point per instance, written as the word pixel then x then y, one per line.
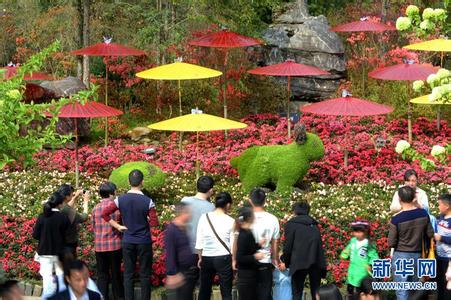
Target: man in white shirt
pixel 266 226
pixel 76 275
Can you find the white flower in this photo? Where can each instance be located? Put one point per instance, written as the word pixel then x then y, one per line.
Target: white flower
pixel 412 10
pixel 437 150
pixel 431 80
pixel 436 94
pixel 418 85
pixel 403 23
pixel 428 13
pixel 443 73
pixel 427 25
pixel 402 146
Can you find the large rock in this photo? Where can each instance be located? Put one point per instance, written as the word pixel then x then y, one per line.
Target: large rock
pixel 306 39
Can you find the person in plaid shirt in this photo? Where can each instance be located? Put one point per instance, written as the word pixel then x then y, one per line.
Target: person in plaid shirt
pixel 107 241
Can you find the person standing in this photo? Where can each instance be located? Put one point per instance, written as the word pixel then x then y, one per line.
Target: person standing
pixel 215 236
pixel 361 254
pixel 265 226
pixel 421 198
pixel 199 205
pixel 107 245
pixel 75 218
pixel 247 256
pixel 407 230
pixel 76 274
pixel 51 232
pixel 180 281
pixel 137 213
pixel 443 249
pixel 303 251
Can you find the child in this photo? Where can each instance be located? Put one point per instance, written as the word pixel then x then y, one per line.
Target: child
pixel 366 290
pixel 361 254
pixel 328 292
pixel 406 233
pixel 443 249
pixel 247 256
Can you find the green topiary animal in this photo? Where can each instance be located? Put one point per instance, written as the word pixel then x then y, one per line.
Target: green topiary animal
pixel 153 175
pixel 282 165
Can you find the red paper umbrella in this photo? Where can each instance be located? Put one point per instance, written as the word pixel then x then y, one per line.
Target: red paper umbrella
pixel 363 25
pixel 407 71
pixel 90 109
pixel 11 71
pixel 107 48
pixel 347 106
pixel 225 39
pixel 288 68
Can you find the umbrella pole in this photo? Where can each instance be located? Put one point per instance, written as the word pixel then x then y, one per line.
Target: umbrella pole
pixel 409 112
pixel 197 156
pixel 180 113
pixel 288 107
pixel 76 154
pixel 106 102
pixel 224 91
pixel 346 151
pixel 439 116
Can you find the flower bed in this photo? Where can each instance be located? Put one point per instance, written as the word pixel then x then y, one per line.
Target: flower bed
pixel 334 206
pixel 367 163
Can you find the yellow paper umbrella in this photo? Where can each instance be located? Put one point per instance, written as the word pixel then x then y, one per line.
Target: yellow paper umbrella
pixel 438 45
pixel 179 71
pixel 425 100
pixel 197 122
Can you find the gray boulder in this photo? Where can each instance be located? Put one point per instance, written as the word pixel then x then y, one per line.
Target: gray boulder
pixel 306 39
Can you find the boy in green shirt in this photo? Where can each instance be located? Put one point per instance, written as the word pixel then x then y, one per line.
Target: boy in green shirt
pixel 361 254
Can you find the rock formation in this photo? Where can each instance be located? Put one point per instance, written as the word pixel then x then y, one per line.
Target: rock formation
pixel 296 35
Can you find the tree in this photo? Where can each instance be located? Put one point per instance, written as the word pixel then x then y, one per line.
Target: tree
pixel 22 130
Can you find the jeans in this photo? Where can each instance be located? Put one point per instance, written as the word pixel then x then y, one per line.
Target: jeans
pixel 210 266
pixel 264 281
pixel 298 280
pixel 442 292
pixel 186 291
pixel 247 284
pixel 404 294
pixel 49 265
pixel 109 271
pixel 133 252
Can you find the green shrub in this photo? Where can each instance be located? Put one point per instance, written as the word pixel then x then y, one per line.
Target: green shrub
pixel 153 175
pixel 281 165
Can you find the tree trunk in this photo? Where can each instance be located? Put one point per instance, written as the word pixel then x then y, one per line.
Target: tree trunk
pixel 80 39
pixel 86 8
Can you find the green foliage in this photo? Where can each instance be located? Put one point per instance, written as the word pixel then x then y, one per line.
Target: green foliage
pixel 422 25
pixel 438 152
pixel 23 126
pixel 282 165
pixel 439 86
pixel 153 176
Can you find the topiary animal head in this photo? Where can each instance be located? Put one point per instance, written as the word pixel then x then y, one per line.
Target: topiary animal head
pixel 300 134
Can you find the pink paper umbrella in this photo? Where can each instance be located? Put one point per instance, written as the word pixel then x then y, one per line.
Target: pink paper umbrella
pixel 90 109
pixel 363 25
pixel 289 69
pixel 225 39
pixel 11 71
pixel 108 49
pixel 347 106
pixel 407 71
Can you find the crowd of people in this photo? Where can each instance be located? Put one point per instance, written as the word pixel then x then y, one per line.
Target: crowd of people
pixel 204 242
